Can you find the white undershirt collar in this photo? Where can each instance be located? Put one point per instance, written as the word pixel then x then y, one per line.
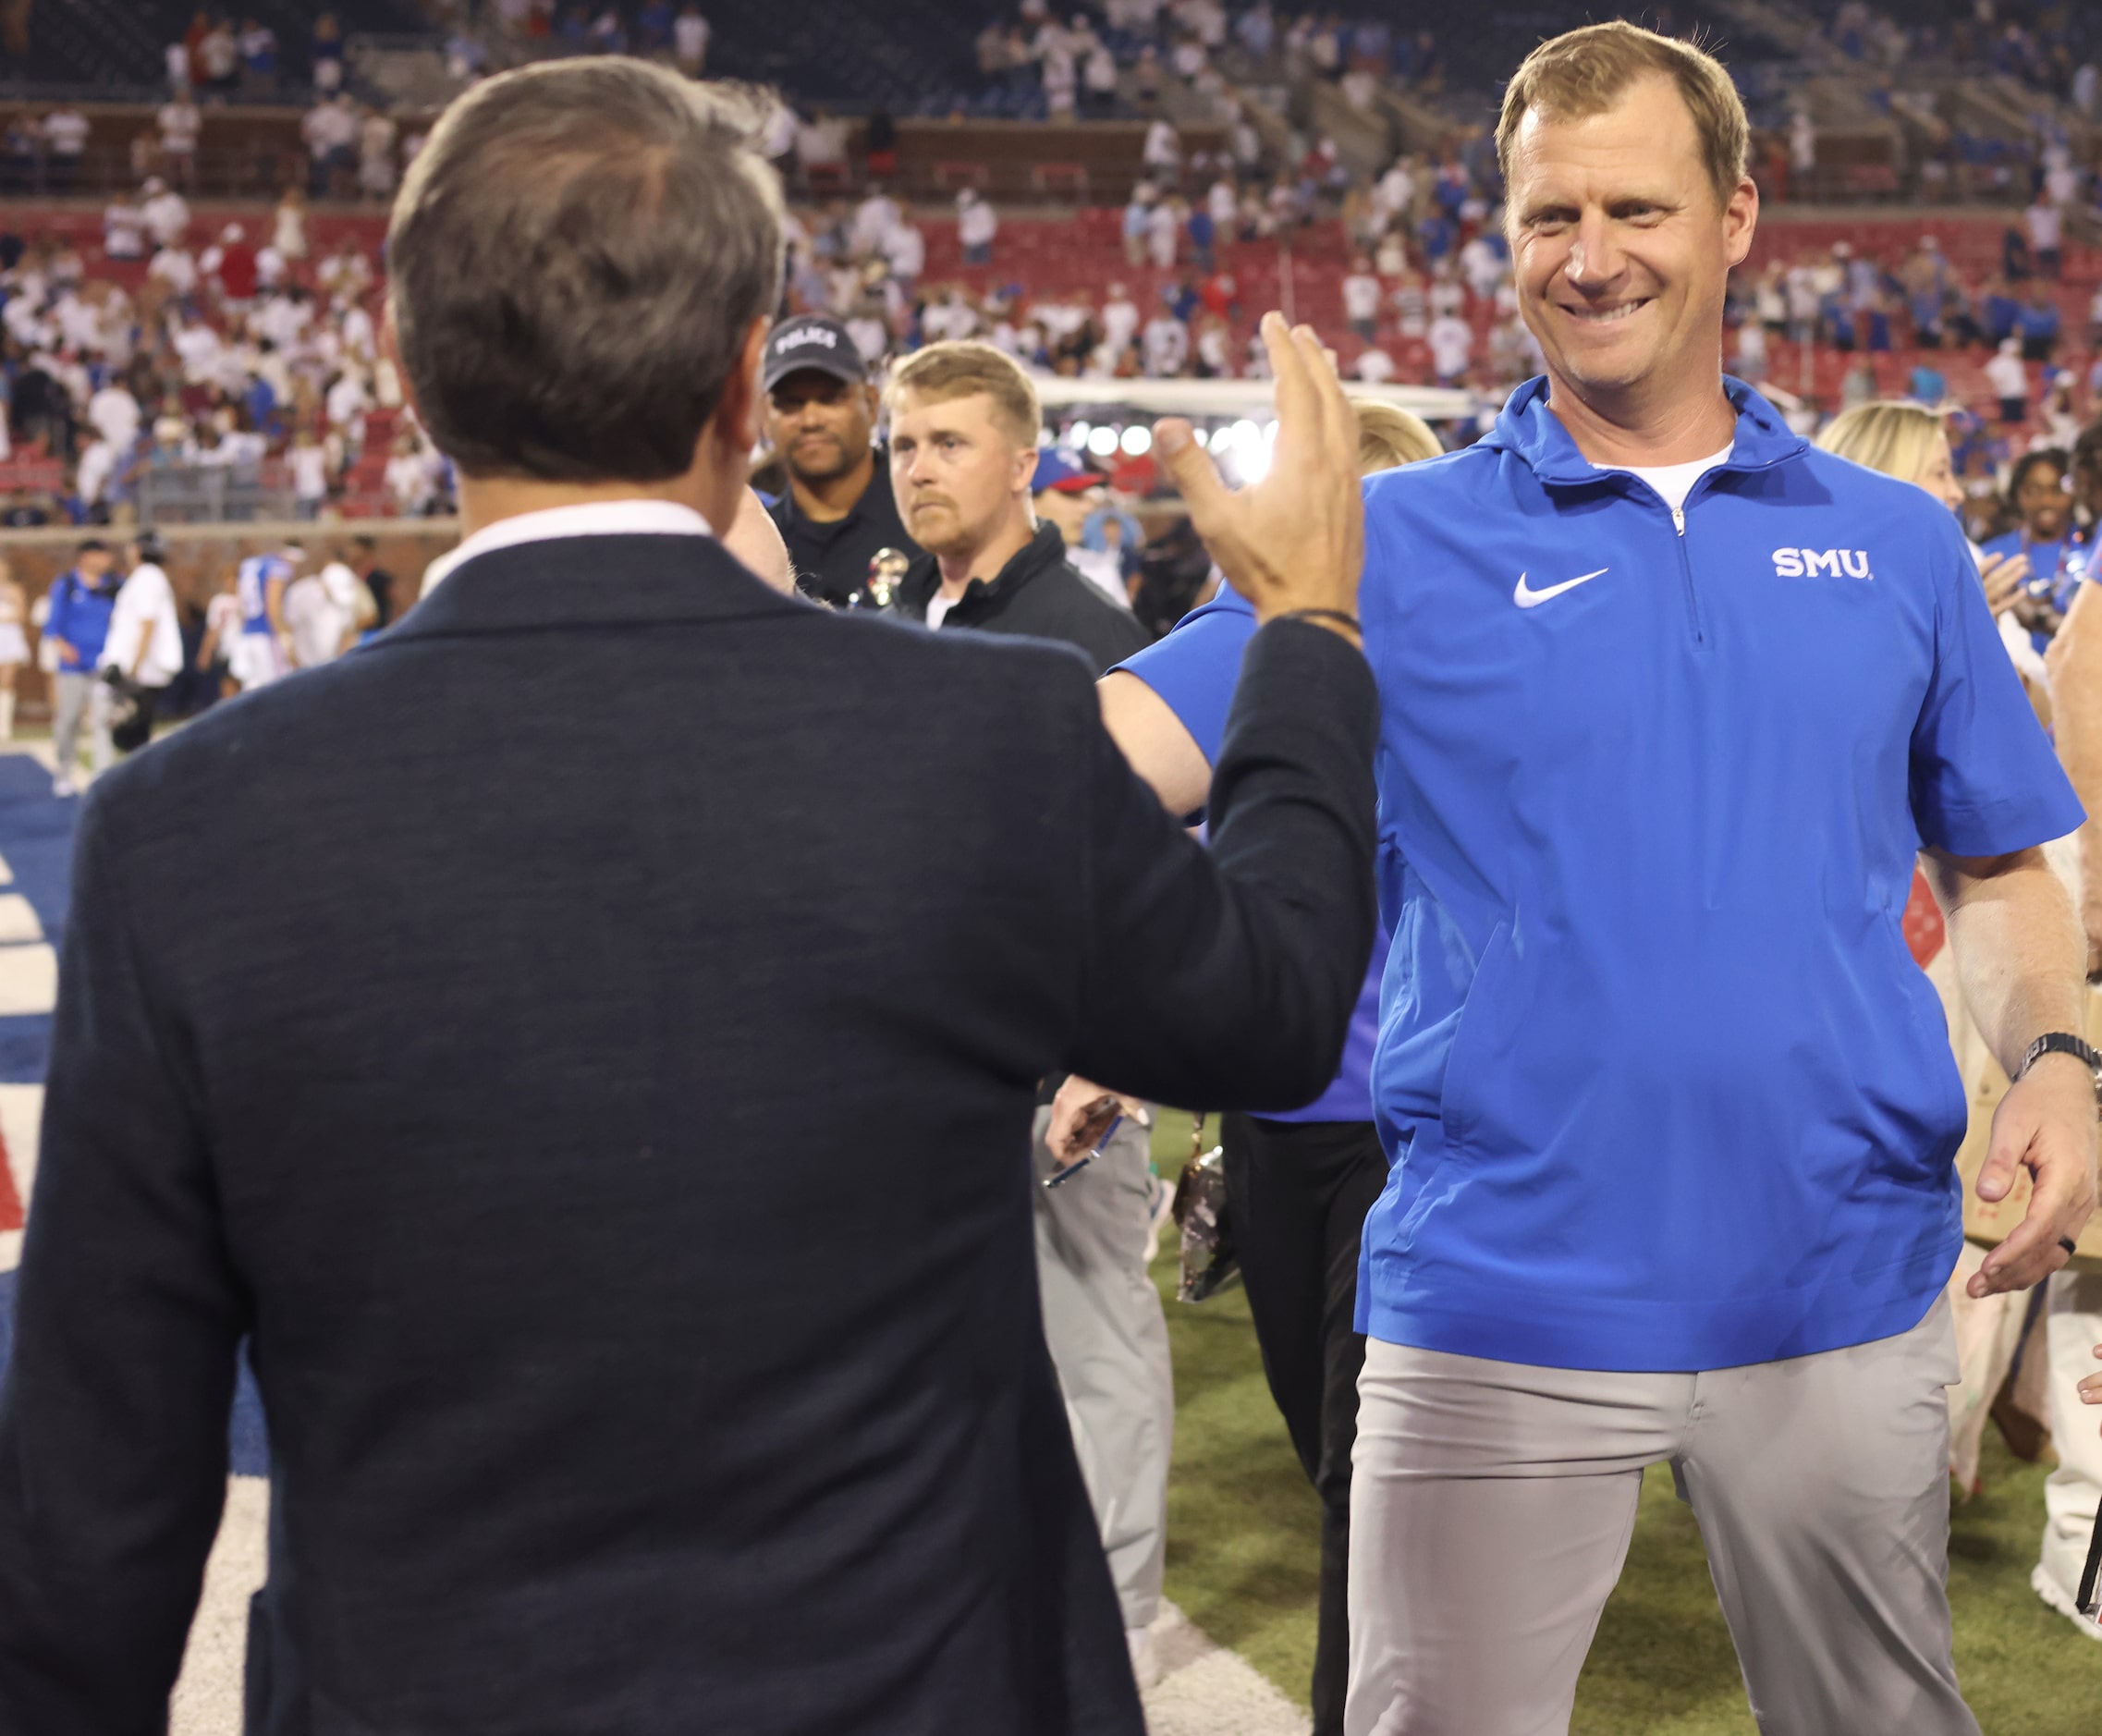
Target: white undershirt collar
pixel 596 518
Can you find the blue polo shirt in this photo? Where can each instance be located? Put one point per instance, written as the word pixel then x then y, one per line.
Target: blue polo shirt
pixel 1660 1083
pixel 1194 669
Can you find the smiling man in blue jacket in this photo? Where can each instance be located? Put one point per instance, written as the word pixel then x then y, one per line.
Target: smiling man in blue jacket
pixel 1672 703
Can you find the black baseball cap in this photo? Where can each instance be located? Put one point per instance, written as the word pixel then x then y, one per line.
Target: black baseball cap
pixel 811 340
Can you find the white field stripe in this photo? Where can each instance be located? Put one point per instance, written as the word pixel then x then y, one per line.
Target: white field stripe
pixel 29 979
pixel 18 920
pixel 1206 1689
pixel 207 1698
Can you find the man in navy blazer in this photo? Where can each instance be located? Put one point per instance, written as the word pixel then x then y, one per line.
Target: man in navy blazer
pixel 584 1070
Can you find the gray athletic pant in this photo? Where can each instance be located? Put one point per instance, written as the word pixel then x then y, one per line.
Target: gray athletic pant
pixel 78 696
pixel 1108 1339
pixel 1492 1503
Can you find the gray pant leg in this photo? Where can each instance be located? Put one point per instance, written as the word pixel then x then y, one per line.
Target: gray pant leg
pixel 1491 1506
pixel 1821 1485
pixel 1108 1339
pixel 69 706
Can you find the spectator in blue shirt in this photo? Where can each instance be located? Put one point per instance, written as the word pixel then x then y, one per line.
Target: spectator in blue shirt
pixel 81 600
pixel 1927 385
pixel 2037 326
pixel 2038 496
pixel 2001 312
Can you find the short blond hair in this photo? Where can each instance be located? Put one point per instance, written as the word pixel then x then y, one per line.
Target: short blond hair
pixel 1894 435
pixel 1389 436
pixel 963 367
pixel 1586 72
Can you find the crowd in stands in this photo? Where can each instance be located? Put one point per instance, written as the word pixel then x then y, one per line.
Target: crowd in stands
pixel 238 372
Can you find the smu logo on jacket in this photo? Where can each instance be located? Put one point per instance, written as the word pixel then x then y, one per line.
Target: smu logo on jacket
pixel 1821 563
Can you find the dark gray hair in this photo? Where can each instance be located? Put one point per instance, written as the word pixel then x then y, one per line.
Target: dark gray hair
pixel 575 260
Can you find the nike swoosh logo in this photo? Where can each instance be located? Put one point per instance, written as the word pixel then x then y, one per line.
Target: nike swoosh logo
pixel 1528 599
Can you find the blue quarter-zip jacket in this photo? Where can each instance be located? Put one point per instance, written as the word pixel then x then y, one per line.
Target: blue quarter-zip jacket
pixel 1662 1086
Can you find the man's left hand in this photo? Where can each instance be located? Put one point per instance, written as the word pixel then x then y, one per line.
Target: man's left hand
pixel 2045 1124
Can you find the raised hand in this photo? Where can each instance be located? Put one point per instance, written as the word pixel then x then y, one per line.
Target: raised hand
pixel 1296 539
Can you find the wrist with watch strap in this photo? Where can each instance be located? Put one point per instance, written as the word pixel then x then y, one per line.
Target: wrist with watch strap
pixel 2065 1043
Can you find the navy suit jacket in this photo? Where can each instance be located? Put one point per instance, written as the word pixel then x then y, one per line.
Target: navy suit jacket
pixel 601 1086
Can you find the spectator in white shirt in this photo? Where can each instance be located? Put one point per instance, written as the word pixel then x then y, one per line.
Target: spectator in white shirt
pixel 124 228
pixel 690 34
pixel 1452 346
pixel 114 414
pixel 322 629
pixel 875 218
pixel 180 123
pixel 976 224
pixel 166 213
pixel 1166 344
pixel 906 249
pixel 308 460
pixel 1164 232
pixel 145 642
pixel 1374 367
pixel 2047 233
pixel 175 267
pixel 64 141
pixel 408 479
pixel 2009 380
pixel 1119 318
pixel 1360 299
pixel 376 135
pixel 1162 153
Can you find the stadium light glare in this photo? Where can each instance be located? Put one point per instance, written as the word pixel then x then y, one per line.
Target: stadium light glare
pixel 1101 442
pixel 1244 434
pixel 1076 436
pixel 1137 440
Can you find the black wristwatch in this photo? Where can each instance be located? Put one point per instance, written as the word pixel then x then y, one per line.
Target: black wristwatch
pixel 2065 1043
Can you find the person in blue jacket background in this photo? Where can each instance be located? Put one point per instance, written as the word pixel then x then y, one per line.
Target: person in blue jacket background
pixel 81 600
pixel 1670 703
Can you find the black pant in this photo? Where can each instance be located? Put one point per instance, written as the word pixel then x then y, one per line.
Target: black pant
pixel 1298 1192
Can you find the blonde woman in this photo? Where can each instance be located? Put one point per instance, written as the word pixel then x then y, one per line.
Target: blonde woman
pixel 1298 1185
pixel 1908 441
pixel 14 645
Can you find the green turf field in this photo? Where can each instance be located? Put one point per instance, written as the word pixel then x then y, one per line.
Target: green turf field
pixel 1241 1554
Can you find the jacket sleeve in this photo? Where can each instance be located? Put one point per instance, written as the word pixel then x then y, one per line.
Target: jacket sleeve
pixel 1225 979
pixel 114 1407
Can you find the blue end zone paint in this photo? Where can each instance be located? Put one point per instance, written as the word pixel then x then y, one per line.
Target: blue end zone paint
pixel 36 837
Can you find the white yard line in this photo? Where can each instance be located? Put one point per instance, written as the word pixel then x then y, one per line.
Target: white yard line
pixel 1206 1689
pixel 207 1698
pixel 29 979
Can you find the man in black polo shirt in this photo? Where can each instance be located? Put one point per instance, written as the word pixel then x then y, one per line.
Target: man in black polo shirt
pixel 837 516
pixel 963 456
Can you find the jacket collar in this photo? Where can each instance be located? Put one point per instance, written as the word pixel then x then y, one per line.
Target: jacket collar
pixel 1533 434
pixel 1045 549
pixel 607 581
